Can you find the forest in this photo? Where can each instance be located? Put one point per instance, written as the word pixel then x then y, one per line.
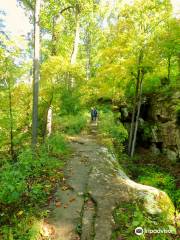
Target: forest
pixel 64 174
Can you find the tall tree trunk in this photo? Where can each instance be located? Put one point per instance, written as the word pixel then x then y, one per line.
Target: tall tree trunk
pixel 88 56
pixel 131 134
pixel 49 122
pixel 76 39
pixel 36 71
pixel 137 117
pixel 75 44
pixel 53 40
pixel 47 126
pixel 133 116
pixel 11 121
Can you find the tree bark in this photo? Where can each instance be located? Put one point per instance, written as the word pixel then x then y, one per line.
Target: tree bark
pixel 49 122
pixel 75 45
pixel 36 72
pixel 131 134
pixel 76 39
pixel 137 118
pixel 47 126
pixel 88 55
pixel 53 40
pixel 133 117
pixel 54 35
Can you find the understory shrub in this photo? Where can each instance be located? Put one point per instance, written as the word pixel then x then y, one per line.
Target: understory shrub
pixel 72 124
pixel 26 186
pixel 112 129
pixel 70 100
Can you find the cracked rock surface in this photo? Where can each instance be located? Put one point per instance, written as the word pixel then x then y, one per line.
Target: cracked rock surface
pixel 92 189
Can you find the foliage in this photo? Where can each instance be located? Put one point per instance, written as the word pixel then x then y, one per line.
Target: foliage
pixel 147 130
pixel 143 27
pixel 112 128
pixel 151 174
pixel 130 216
pixel 15 97
pixel 153 84
pixel 162 180
pixel 72 124
pixel 70 102
pixel 56 145
pixel 27 184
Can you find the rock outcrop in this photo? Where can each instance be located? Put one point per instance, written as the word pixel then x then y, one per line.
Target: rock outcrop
pixel 164 125
pixel 95 186
pixel 159 123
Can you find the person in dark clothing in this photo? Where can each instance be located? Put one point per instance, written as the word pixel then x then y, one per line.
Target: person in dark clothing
pixel 94 114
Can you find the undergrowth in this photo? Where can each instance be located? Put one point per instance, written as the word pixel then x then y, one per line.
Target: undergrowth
pixel 112 130
pixel 71 124
pixel 151 174
pixel 129 216
pixel 26 187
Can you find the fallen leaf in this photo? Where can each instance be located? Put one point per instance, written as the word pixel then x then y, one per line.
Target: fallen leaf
pixel 72 199
pixel 20 213
pixel 47 230
pixel 52 179
pixel 58 204
pixel 64 188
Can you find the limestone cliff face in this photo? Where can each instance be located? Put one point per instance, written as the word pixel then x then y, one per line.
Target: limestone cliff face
pixel 165 127
pixel 159 123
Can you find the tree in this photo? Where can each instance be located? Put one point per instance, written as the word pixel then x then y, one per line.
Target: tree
pixel 148 19
pixel 76 35
pixel 65 18
pixel 36 71
pixel 168 46
pixel 12 121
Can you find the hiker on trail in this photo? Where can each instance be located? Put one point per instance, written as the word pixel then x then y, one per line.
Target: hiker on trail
pixel 93 114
